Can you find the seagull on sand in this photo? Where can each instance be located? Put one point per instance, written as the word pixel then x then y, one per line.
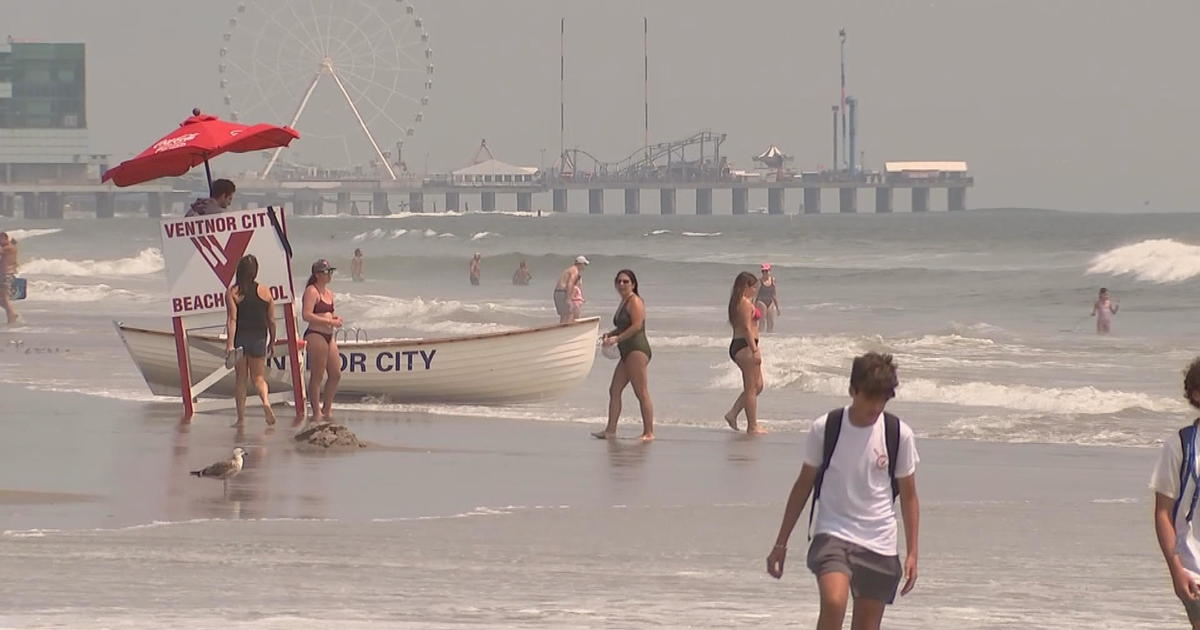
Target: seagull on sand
pixel 224 470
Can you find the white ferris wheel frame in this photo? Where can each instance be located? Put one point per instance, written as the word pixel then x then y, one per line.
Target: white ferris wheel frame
pixel 328 67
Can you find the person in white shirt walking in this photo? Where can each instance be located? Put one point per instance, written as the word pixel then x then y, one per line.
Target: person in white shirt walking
pixel 1176 492
pixel 857 460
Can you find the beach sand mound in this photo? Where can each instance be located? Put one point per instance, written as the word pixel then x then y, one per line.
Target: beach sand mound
pixel 327 435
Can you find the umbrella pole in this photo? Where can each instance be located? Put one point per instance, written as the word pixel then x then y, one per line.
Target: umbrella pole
pixel 208 174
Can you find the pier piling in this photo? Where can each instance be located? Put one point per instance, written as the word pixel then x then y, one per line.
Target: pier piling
pixel 741 200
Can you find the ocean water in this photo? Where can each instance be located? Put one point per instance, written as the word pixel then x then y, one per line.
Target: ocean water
pixel 985 311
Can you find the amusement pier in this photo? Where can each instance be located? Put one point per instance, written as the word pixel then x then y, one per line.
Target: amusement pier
pixel 47 166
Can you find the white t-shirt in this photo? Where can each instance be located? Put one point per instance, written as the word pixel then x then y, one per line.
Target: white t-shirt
pixel 856 496
pixel 1165 481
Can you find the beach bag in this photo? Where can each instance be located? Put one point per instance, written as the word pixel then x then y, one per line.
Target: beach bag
pixel 833 428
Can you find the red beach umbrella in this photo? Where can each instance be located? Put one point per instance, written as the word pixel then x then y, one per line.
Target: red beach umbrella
pixel 197 139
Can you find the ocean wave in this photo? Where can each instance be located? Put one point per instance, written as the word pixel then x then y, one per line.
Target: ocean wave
pixel 479 236
pixel 1040 428
pixel 448 317
pixel 1160 261
pixel 21 235
pixel 147 261
pixel 48 291
pixel 398 233
pixel 657 233
pixel 371 235
pixel 700 234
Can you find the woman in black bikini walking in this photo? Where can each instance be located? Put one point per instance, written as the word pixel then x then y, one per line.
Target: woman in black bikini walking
pixel 323 357
pixel 250 327
pixel 743 317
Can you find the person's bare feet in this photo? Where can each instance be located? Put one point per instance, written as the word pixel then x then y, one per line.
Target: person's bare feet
pixel 239 423
pixel 270 416
pixel 647 437
pixel 604 435
pixel 755 430
pixel 732 422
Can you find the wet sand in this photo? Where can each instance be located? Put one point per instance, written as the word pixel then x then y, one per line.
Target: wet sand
pixel 503 523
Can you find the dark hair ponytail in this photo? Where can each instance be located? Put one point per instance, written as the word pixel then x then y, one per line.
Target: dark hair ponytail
pixel 743 280
pixel 247 271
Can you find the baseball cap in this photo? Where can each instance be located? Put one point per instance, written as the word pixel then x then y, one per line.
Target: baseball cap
pixel 321 266
pixel 766 266
pixel 581 260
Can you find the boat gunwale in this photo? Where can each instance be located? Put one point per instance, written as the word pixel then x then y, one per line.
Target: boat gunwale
pixel 121 326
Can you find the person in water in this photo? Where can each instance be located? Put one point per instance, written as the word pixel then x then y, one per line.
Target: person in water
pixel 629 336
pixel 473 269
pixel 1103 310
pixel 324 362
pixel 577 300
pixel 8 273
pixel 767 299
pixel 250 327
pixel 566 283
pixel 356 266
pixel 744 350
pixel 522 276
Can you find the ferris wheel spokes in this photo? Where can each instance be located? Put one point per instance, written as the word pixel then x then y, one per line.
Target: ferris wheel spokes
pixel 327 67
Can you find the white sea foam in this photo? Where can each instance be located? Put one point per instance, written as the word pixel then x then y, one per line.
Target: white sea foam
pixel 430 233
pixel 701 234
pixel 657 232
pixel 147 261
pixel 442 317
pixel 371 235
pixel 21 235
pixel 479 236
pixel 49 291
pixel 1160 260
pixel 398 233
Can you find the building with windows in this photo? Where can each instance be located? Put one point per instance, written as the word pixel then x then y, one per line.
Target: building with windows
pixel 43 114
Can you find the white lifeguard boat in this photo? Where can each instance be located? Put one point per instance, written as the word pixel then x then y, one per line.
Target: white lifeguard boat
pixel 494 368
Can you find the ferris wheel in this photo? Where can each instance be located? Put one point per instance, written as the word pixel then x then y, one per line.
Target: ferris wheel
pixel 353 76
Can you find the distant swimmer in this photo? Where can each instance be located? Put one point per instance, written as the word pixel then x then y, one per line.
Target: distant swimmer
pixel 223 470
pixel 356 266
pixel 566 284
pixel 744 351
pixel 629 336
pixel 8 273
pixel 768 298
pixel 1103 310
pixel 250 327
pixel 222 197
pixel 473 269
pixel 522 276
pixel 324 361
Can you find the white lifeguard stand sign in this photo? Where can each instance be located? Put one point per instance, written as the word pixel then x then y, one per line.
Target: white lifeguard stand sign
pixel 201 255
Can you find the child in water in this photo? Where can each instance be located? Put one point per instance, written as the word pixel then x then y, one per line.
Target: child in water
pixel 1103 310
pixel 577 300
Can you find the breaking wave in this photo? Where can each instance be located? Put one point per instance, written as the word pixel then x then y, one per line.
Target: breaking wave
pixel 48 291
pixel 1160 260
pixel 21 235
pixel 147 261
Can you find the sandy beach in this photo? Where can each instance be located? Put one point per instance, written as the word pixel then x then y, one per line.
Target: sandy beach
pixel 530 524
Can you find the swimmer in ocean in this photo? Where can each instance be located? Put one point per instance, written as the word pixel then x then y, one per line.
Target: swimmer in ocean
pixel 1103 310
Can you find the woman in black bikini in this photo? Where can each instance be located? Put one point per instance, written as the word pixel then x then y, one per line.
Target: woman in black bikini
pixel 323 357
pixel 743 317
pixel 629 335
pixel 768 298
pixel 250 327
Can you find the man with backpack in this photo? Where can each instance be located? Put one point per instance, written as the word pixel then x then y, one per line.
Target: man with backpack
pixel 858 459
pixel 1176 494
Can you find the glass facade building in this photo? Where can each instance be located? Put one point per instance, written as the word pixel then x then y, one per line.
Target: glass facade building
pixel 42 86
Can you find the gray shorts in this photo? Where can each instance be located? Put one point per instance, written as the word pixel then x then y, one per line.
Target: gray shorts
pixel 562 304
pixel 872 575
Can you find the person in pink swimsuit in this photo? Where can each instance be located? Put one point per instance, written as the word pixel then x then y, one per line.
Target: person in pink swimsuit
pixel 1103 310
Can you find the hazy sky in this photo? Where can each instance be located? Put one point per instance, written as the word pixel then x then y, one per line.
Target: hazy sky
pixel 1079 104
